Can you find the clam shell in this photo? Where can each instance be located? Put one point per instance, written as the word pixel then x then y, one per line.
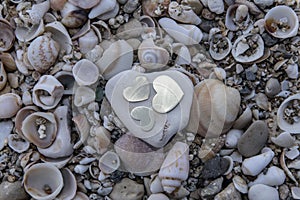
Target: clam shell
pixel 18 144
pixel 7 35
pixel 43 181
pixel 282 123
pixel 40 128
pixel 53 90
pixel 282 14
pixel 217 44
pixel 21 115
pixel 10 104
pixel 3 76
pixel 26 34
pixel 70 185
pixel 183 13
pixel 237 17
pixel 83 96
pixel 109 162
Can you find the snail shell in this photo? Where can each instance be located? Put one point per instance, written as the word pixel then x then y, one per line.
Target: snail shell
pixel 10 104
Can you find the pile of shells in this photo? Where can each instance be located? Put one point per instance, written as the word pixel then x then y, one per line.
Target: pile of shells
pixel 151 99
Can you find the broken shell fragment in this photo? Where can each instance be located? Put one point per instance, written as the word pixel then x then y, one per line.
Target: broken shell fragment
pixel 83 96
pixel 109 162
pixel 43 181
pixel 240 184
pixel 237 17
pixel 183 13
pixel 40 128
pixel 88 41
pixel 7 36
pixel 85 72
pixel 47 92
pixel 21 115
pixel 101 140
pixel 10 104
pixel 155 8
pixel 26 34
pixel 83 128
pixel 38 11
pixel 72 16
pixel 6 128
pixel 3 76
pixel 18 144
pixel 282 22
pixel 216 6
pixel 68 192
pixel 284 139
pixel 42 53
pixel 102 8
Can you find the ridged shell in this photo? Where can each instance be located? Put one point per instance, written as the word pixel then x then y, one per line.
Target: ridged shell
pixel 10 104
pixel 7 35
pixel 85 72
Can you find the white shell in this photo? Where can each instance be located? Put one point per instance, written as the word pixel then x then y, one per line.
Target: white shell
pixel 292 153
pixel 118 57
pixel 25 34
pixel 151 56
pixel 285 139
pixel 63 136
pixel 72 16
pixel 283 14
pixel 175 167
pixel 283 124
pixel 232 138
pixel 42 177
pixel 83 128
pixel 274 177
pixel 155 184
pixel 254 165
pixel 6 128
pixel 183 54
pixel 262 192
pixel 81 169
pixel 10 104
pixel 33 131
pixel 3 76
pixel 50 85
pixel 183 33
pixel 70 185
pixel 85 72
pixel 38 11
pixel 18 144
pixel 88 41
pixel 67 80
pixel 231 165
pixel 241 45
pixel 83 96
pixel 101 8
pixel 216 6
pixel 42 53
pixel 21 115
pixel 240 184
pixel 109 162
pixel 183 13
pixel 159 196
pixel 237 17
pixel 244 119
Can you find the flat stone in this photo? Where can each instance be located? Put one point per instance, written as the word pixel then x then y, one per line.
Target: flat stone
pixel 254 139
pixel 13 191
pixel 214 168
pixel 127 189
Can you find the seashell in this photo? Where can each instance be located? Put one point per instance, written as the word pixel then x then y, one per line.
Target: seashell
pixel 83 128
pixel 102 30
pixel 26 34
pixel 151 56
pixel 155 8
pixel 285 168
pixel 157 196
pixel 84 4
pixel 37 11
pixel 10 104
pixel 42 53
pixel 72 16
pixel 47 92
pixel 183 54
pixel 118 57
pixel 85 72
pixel 130 149
pixel 273 177
pixel 220 46
pixel 244 119
pixel 8 61
pixel 183 13
pixel 282 22
pixel 183 33
pixel 295 192
pixel 7 35
pixel 155 184
pixel 147 21
pixel 18 144
pixel 216 6
pixel 228 193
pixel 232 138
pixel 83 96
pixel 101 140
pixel 240 184
pixel 175 167
pixel 57 4
pixel 237 17
pixel 60 35
pixel 262 192
pixel 284 124
pixel 68 192
pixel 58 162
pixel 103 7
pixel 254 165
pixel 284 140
pixel 216 115
pixel 67 80
pixel 80 196
pixel 272 87
pixel 292 71
pixel 88 41
pixel 3 76
pixel 48 184
pixel 62 145
pixel 6 128
pixel 292 153
pixel 109 162
pixel 231 165
pixel 21 115
pixel 242 48
pixel 40 129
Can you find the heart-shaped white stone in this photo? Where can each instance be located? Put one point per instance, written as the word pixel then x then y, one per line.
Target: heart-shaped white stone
pixel 169 94
pixel 145 116
pixel 139 91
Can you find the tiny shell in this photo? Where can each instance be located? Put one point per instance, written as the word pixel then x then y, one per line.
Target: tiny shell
pixel 285 139
pixel 85 72
pixel 83 96
pixel 232 138
pixel 49 179
pixel 292 153
pixel 262 192
pixel 183 13
pixel 7 36
pixel 155 184
pixel 109 162
pixel 10 104
pixel 175 167
pixel 273 177
pixel 42 53
pixel 3 76
pixel 18 144
pixel 231 165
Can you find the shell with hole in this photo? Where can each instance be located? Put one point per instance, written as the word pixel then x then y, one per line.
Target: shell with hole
pixel 47 92
pixel 10 104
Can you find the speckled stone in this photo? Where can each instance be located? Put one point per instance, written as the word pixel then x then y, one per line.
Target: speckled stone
pixel 12 191
pixel 229 193
pixel 214 168
pixel 127 189
pixel 213 188
pixel 254 139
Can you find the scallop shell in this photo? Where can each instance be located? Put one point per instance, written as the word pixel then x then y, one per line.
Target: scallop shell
pixel 10 104
pixel 118 57
pixel 273 177
pixel 83 96
pixel 38 11
pixel 184 33
pixel 42 53
pixel 183 13
pixel 40 128
pixel 282 123
pixel 88 41
pixel 109 162
pixel 18 144
pixel 43 181
pixel 241 49
pixel 70 185
pixel 282 16
pixel 151 56
pixel 47 92
pixel 7 35
pixel 175 167
pixel 3 76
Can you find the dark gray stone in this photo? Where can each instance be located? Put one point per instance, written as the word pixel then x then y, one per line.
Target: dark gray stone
pixel 214 168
